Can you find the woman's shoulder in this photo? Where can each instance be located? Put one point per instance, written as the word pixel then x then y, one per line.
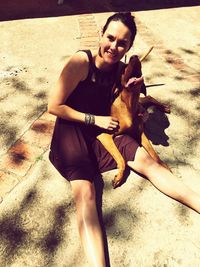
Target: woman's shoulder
pixel 82 57
pixel 80 61
pixel 77 65
pixel 79 58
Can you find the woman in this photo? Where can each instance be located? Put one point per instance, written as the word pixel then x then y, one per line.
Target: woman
pixel 81 101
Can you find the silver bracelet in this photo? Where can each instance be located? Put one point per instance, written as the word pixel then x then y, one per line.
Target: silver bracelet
pixel 89 119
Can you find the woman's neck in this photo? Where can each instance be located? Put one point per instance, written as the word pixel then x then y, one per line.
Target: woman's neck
pixel 101 64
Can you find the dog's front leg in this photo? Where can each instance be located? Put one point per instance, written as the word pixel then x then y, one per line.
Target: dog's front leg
pixel 107 141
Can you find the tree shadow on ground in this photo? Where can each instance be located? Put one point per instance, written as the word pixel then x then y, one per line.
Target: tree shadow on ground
pixel 54 238
pixel 24 232
pixel 9 128
pixel 20 9
pixel 12 235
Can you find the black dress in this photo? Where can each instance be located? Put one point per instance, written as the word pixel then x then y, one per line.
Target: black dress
pixel 74 150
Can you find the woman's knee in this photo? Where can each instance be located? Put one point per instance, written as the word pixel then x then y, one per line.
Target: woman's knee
pixel 142 162
pixel 83 192
pixel 85 199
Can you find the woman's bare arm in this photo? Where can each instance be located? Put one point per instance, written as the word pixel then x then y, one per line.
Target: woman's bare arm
pixel 74 71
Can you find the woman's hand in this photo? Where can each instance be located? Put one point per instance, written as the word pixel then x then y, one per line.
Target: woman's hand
pixel 107 123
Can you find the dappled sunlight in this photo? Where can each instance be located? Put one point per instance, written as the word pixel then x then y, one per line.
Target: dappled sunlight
pixel 141 226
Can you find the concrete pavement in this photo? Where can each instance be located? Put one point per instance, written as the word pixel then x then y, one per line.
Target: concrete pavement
pixel 37 218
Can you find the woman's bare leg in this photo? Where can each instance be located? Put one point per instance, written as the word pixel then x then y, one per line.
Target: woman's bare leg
pixel 88 222
pixel 164 180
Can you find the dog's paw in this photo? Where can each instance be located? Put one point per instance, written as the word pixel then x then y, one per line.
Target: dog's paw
pixel 115 184
pixel 117 181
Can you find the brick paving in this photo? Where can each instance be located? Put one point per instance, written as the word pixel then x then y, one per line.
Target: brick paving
pixel 21 157
pixel 88 32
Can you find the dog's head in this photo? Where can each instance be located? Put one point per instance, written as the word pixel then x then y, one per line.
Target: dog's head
pixel 132 75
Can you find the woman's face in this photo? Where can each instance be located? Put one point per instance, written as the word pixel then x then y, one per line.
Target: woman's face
pixel 115 42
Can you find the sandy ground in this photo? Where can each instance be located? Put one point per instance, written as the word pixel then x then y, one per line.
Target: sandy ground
pixel 144 228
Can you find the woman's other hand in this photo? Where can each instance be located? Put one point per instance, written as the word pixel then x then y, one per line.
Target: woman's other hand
pixel 107 123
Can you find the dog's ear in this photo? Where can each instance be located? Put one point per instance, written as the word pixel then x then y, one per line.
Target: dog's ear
pixel 133 69
pixel 136 66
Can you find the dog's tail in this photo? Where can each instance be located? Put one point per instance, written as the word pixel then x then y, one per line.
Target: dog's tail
pixel 145 55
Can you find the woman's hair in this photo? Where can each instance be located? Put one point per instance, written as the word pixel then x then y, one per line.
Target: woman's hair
pixel 127 19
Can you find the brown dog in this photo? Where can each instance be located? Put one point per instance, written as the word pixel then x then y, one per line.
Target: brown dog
pixel 127 109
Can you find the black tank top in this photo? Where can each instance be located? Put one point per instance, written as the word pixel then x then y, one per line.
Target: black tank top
pixel 95 94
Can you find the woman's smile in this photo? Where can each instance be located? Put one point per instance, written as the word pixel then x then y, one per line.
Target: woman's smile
pixel 111 54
